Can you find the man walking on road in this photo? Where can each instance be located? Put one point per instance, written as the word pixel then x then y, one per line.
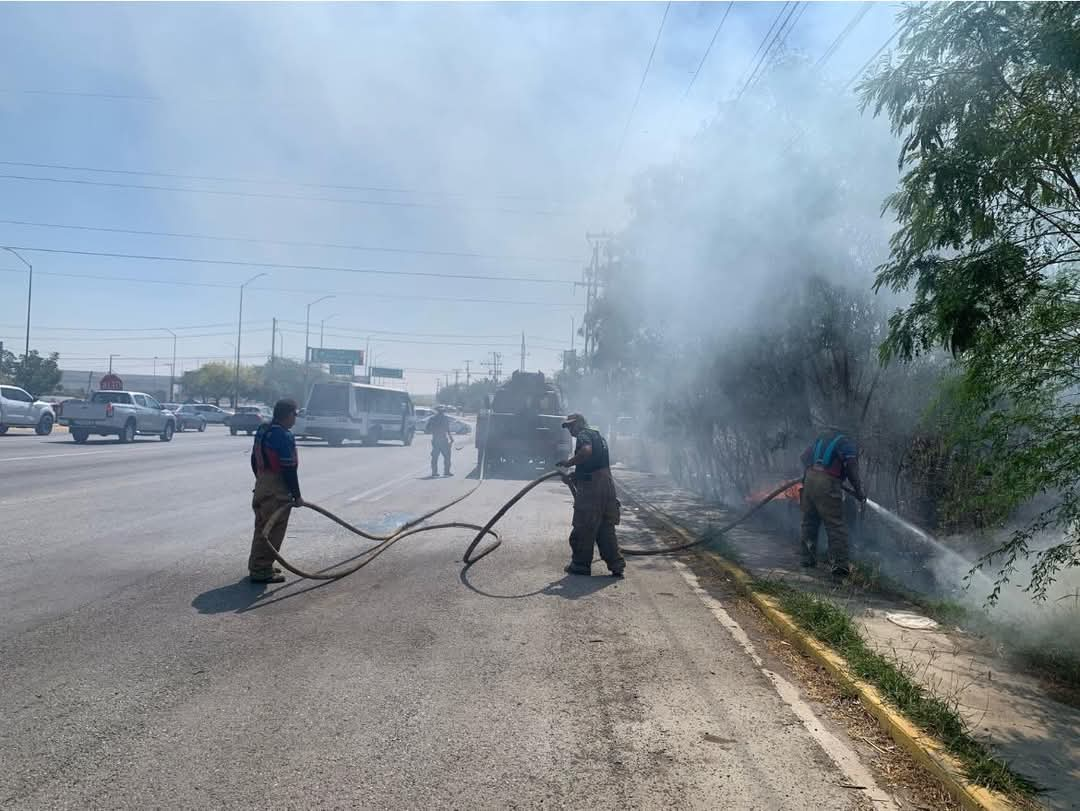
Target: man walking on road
pixel 596 508
pixel 274 463
pixel 441 443
pixel 828 461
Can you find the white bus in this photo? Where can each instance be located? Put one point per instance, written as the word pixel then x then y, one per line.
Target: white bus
pixel 355 411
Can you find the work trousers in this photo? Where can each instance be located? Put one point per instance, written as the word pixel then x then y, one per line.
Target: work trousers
pixel 440 447
pixel 269 494
pixel 596 513
pixel 823 502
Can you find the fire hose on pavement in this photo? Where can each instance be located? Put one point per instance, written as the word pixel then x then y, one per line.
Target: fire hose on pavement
pixel 471 556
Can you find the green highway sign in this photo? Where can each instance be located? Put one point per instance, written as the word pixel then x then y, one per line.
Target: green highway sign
pixel 382 371
pixel 341 357
pixel 344 370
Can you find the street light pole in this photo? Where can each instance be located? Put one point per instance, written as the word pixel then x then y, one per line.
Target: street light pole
pixel 322 325
pixel 29 297
pixel 239 329
pixel 307 340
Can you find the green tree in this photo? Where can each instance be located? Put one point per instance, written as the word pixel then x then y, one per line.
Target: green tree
pixel 38 375
pixel 986 100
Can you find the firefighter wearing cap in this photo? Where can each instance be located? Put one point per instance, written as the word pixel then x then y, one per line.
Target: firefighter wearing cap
pixel 441 443
pixel 830 459
pixel 596 508
pixel 274 463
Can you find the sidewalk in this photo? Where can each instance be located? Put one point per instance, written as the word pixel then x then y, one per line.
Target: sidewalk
pixel 1008 709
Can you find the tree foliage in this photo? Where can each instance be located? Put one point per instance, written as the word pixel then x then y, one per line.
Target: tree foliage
pixel 38 375
pixel 986 100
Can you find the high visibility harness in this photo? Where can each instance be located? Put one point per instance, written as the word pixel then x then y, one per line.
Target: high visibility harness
pixel 824 456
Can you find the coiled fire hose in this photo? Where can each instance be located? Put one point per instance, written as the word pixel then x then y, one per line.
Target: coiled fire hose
pixel 414 527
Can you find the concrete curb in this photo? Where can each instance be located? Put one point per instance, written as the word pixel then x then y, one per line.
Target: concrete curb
pixel 927 751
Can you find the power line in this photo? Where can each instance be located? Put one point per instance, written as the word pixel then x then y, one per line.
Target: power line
pixel 305 291
pixel 760 47
pixel 254 181
pixel 508 343
pixel 117 329
pixel 778 40
pixel 248 263
pixel 275 196
pixel 870 61
pixel 363 332
pixel 641 85
pixel 287 243
pixel 836 43
pixel 708 50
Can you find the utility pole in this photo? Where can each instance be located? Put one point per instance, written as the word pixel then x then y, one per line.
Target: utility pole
pixel 322 325
pixel 591 282
pixel 468 374
pixel 494 365
pixel 172 369
pixel 273 341
pixel 29 296
pixel 522 366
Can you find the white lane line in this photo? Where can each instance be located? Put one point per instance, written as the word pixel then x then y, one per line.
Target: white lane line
pixel 846 759
pixel 384 486
pixel 71 455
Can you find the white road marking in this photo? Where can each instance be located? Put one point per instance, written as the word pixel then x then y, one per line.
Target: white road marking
pixel 384 486
pixel 52 456
pixel 846 759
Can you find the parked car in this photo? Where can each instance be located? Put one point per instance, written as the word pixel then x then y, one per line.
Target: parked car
pixel 19 410
pixel 211 413
pixel 421 415
pixel 122 414
pixel 186 417
pixel 248 419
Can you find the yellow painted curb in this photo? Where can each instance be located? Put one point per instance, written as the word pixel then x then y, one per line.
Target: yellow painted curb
pixel 926 750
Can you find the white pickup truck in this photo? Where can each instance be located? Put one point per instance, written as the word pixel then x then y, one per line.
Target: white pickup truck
pixel 122 414
pixel 19 410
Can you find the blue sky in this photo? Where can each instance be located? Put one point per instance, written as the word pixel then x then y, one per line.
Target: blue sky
pixel 457 128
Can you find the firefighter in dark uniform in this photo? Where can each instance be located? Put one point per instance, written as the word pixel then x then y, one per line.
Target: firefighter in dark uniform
pixel 596 508
pixel 830 459
pixel 274 463
pixel 441 443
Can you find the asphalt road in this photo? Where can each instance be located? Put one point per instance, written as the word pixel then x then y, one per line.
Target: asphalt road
pixel 140 669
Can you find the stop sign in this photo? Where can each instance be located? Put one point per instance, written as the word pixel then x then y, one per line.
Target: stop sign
pixel 111 382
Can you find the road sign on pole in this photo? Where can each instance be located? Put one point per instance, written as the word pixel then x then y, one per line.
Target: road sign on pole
pixel 342 357
pixel 383 371
pixel 342 369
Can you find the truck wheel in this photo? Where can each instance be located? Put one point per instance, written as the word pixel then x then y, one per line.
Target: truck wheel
pixel 232 431
pixel 408 438
pixel 249 433
pixel 167 434
pixel 127 433
pixel 373 437
pixel 335 440
pixel 202 427
pixel 44 426
pixel 3 429
pixel 80 435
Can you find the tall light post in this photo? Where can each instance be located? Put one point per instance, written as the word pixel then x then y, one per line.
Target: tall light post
pixel 172 369
pixel 307 340
pixel 322 325
pixel 239 329
pixel 29 297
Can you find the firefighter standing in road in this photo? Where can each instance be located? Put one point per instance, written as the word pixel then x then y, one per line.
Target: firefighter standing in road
pixel 441 443
pixel 596 509
pixel 274 463
pixel 828 461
